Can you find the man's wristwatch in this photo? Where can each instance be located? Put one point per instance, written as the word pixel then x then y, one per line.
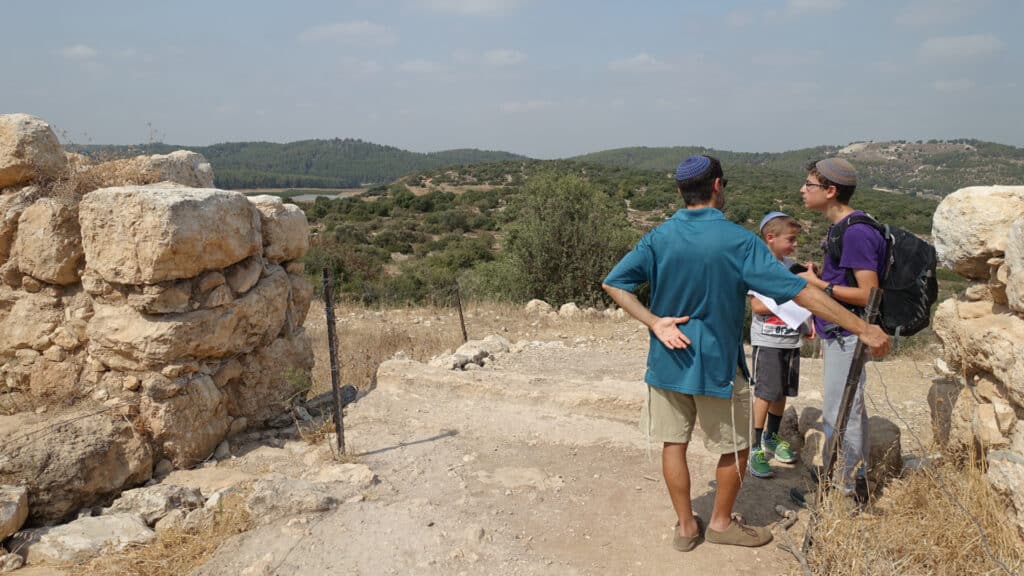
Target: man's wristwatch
pixel 829 288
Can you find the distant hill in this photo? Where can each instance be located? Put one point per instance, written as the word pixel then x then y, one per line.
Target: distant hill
pixel 337 163
pixel 933 167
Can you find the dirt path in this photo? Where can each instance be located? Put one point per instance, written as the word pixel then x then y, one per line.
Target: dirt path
pixel 532 465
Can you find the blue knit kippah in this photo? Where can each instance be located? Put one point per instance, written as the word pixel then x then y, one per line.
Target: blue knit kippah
pixel 768 218
pixel 692 167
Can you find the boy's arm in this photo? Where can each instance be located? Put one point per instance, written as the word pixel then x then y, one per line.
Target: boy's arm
pixel 758 307
pixel 665 329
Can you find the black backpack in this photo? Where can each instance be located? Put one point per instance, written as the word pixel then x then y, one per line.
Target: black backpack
pixel 909 285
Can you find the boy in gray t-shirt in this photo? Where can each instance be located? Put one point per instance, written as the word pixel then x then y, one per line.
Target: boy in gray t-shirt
pixel 776 355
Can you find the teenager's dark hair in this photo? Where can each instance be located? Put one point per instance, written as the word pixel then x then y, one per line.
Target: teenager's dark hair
pixel 843 192
pixel 698 190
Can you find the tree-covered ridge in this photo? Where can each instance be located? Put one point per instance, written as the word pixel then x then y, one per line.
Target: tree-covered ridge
pixel 337 163
pixel 935 167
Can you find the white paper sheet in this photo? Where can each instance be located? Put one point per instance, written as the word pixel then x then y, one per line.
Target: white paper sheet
pixel 791 313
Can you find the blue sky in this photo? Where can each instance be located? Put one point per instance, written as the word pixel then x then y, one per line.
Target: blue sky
pixel 543 78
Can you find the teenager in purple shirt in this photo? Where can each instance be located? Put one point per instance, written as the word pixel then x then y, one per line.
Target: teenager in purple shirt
pixel 828 188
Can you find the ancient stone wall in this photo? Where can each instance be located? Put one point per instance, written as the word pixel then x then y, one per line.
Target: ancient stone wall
pixel 979 233
pixel 142 323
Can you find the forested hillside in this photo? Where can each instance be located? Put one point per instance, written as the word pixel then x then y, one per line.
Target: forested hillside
pixel 337 163
pixel 536 229
pixel 933 167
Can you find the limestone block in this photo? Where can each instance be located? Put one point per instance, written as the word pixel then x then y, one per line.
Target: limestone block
pixel 86 538
pixel 128 340
pixel 274 498
pixel 302 296
pixel 972 225
pixel 154 502
pixel 48 245
pixel 1006 474
pixel 569 310
pixel 94 457
pixel 181 167
pixel 26 318
pixel 1014 266
pixel 285 229
pixel 269 377
pixel 13 509
pixel 243 276
pixel 12 205
pixel 150 234
pixel 189 425
pixel 29 151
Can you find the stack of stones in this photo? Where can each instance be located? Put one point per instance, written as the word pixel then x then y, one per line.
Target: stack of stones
pixel 979 400
pixel 174 308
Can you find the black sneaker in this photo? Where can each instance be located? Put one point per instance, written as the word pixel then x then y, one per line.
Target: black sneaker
pixel 861 494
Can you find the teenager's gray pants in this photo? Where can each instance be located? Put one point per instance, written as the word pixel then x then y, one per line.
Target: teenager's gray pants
pixel 856 445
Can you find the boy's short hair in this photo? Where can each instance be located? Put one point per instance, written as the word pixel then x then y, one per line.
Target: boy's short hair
pixel 695 178
pixel 836 172
pixel 779 224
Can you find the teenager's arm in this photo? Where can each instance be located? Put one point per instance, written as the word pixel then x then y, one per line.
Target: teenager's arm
pixel 857 295
pixel 665 329
pixel 831 311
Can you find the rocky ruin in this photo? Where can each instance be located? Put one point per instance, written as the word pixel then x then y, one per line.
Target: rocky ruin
pixel 146 317
pixel 979 398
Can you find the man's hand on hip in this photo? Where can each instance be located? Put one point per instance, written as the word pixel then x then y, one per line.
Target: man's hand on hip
pixel 667 331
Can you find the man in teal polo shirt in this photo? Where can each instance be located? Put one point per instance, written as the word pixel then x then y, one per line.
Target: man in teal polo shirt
pixel 699 264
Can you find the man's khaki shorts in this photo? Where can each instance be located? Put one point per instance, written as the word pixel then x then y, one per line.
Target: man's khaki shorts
pixel 670 417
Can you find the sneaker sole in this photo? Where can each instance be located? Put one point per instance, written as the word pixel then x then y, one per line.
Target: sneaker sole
pixel 757 474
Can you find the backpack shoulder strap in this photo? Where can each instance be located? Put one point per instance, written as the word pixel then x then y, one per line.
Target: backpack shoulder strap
pixel 834 240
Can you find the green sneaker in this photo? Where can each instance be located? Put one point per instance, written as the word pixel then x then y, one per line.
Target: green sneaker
pixel 758 464
pixel 774 444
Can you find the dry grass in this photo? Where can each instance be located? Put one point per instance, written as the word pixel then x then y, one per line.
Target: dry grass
pixel 174 551
pixel 915 529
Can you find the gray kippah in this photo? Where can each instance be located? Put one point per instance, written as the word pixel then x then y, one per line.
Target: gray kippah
pixel 838 171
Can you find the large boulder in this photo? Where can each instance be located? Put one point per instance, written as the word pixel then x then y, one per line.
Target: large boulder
pixel 49 245
pixel 86 538
pixel 29 151
pixel 126 339
pixel 159 232
pixel 155 502
pixel 28 320
pixel 971 226
pixel 80 459
pixel 285 229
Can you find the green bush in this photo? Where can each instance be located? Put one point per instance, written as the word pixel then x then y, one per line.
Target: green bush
pixel 565 236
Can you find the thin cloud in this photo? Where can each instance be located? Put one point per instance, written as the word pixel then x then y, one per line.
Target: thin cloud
pixel 808 6
pixel 420 66
pixel 642 62
pixel 931 13
pixel 526 106
pixel 961 47
pixel 471 7
pixel 739 18
pixel 79 52
pixel 355 32
pixel 501 58
pixel 953 86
